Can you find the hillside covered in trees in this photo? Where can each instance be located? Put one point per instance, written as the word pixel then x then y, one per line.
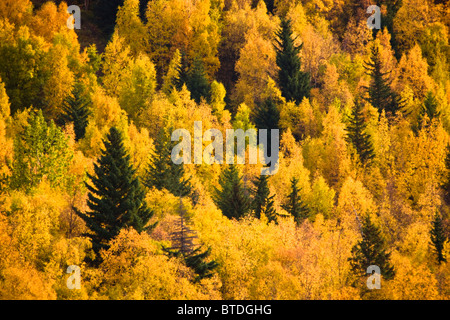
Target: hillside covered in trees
pixel 87 176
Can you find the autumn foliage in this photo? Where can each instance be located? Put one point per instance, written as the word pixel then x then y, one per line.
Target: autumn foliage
pixel 364 163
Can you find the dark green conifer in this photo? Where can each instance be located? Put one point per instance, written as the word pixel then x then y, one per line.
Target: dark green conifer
pixel 371 250
pixel 197 82
pixel 161 172
pixel 115 198
pixel 231 198
pixel 182 70
pixel 266 116
pixel 295 205
pixel 379 91
pixel 357 135
pixel 438 238
pixel 446 183
pixel 183 246
pixel 429 108
pixel 76 110
pixel 194 77
pixel 294 83
pixel 262 200
pixel 197 261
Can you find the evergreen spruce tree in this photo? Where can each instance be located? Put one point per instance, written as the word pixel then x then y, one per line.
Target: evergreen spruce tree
pixel 183 246
pixel 429 108
pixel 379 92
pixel 294 84
pixel 438 238
pixel 357 135
pixel 194 77
pixel 182 70
pixel 371 250
pixel 161 172
pixel 295 205
pixel 266 116
pixel 197 83
pixel 231 198
pixel 76 110
pixel 183 237
pixel 446 182
pixel 196 260
pixel 262 200
pixel 115 198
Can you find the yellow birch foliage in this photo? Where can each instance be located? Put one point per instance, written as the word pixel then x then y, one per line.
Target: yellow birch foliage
pixel 133 268
pixel 335 89
pixel 59 84
pixel 50 20
pixel 354 202
pixel 16 11
pixel 168 29
pixel 115 66
pixel 35 219
pixel 411 281
pixel 106 112
pixel 317 48
pixel 256 65
pixel 291 165
pixel 410 21
pixel 138 86
pixel 329 154
pixel 130 27
pixel 7 144
pixel 413 170
pixel 188 26
pixel 206 35
pixel 67 252
pixel 413 72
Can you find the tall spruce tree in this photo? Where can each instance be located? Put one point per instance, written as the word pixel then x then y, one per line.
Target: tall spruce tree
pixel 161 172
pixel 379 91
pixel 266 116
pixel 438 238
pixel 231 198
pixel 294 83
pixel 262 202
pixel 446 183
pixel 371 250
pixel 429 108
pixel 357 135
pixel 295 205
pixel 115 198
pixel 197 82
pixel 183 246
pixel 76 110
pixel 194 77
pixel 196 260
pixel 182 72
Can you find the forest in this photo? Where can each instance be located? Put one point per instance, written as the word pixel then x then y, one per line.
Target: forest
pixel 93 207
